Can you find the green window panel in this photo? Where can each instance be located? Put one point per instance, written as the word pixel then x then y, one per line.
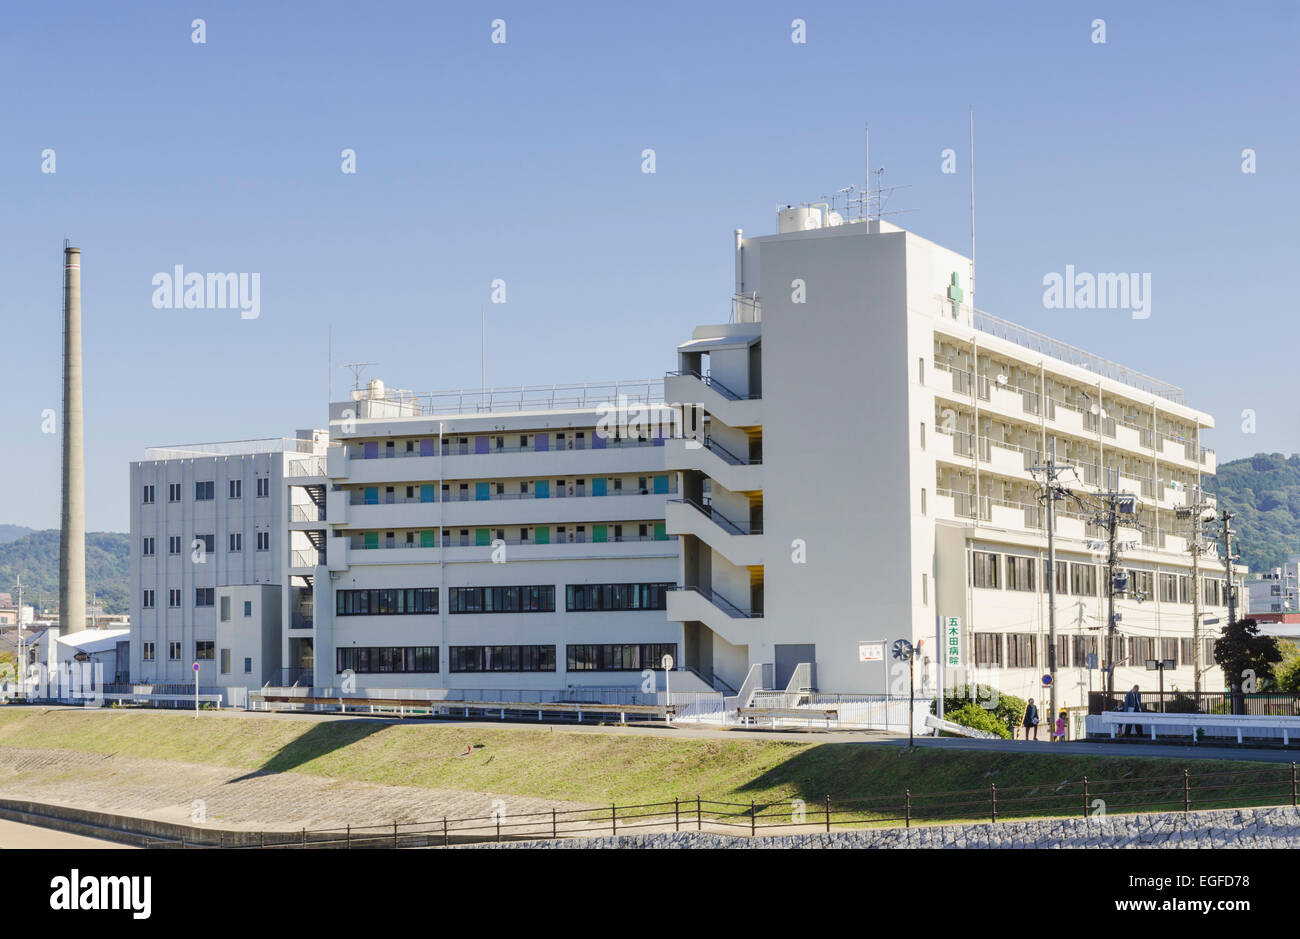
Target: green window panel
pixel 660 533
pixel 482 536
pixel 481 492
pixel 598 533
pixel 372 539
pixel 543 534
pixel 661 484
pixel 426 538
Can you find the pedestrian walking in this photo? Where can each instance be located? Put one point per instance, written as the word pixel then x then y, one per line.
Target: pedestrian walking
pixel 1058 734
pixel 1031 720
pixel 1133 704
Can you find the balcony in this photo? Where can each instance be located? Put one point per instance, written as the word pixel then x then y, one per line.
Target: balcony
pixel 716 462
pixel 693 604
pixel 739 544
pixel 731 407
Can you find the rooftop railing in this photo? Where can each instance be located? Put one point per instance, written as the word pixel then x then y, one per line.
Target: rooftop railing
pixel 584 396
pixel 231 448
pixel 1046 345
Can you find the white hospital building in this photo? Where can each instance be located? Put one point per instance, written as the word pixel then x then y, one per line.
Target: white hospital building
pixel 852 466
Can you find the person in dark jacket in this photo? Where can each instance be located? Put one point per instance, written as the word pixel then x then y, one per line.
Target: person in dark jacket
pixel 1133 704
pixel 1031 720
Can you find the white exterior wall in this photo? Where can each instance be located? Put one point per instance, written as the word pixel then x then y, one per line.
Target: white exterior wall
pixel 556 564
pixel 187 518
pixel 848 378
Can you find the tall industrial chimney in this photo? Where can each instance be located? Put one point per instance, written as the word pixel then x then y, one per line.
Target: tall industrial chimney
pixel 72 541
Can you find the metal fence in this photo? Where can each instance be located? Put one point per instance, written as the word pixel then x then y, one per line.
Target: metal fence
pixel 1206 702
pixel 1085 797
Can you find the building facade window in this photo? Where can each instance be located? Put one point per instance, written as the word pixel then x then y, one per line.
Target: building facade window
pixel 502 658
pixel 203 596
pixel 988 649
pixel 236 491
pixel 204 650
pixel 174 651
pixel 985 570
pixel 620 657
pixel 147 600
pixel 147 651
pixel 263 487
pixel 173 492
pixel 263 541
pixel 147 495
pixel 236 542
pixel 1021 650
pixel 523 599
pixel 205 491
pixel 146 547
pixel 369 660
pixel 1020 573
pixel 391 601
pixel 581 598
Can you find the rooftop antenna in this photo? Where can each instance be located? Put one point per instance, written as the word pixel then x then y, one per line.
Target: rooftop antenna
pixel 972 213
pixel 356 372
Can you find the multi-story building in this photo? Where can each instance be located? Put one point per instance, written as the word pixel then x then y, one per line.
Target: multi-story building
pixel 867 476
pixel 851 461
pixel 1277 591
pixel 486 540
pixel 209 531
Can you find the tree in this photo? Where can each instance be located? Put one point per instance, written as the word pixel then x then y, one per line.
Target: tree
pixel 1247 659
pixel 1286 676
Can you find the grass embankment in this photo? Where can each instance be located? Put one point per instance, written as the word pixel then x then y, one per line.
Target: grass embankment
pixel 630 768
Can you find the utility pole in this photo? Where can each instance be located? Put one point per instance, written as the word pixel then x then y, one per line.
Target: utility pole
pixel 1116 504
pixel 22 660
pixel 1195 511
pixel 1052 490
pixel 1112 525
pixel 1228 558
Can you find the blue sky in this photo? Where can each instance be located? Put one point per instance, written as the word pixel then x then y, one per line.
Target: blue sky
pixel 522 161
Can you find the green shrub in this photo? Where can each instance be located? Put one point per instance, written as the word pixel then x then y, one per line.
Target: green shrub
pixel 1007 709
pixel 974 716
pixel 1181 704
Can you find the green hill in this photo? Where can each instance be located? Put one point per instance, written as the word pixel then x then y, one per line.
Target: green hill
pixel 36 558
pixel 1264 492
pixel 13 532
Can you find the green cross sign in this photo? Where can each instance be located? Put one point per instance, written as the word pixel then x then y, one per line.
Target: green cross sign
pixel 955 294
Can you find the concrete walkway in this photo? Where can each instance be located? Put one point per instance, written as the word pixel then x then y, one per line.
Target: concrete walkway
pixel 18 835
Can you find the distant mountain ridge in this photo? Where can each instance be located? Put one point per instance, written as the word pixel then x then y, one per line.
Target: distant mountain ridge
pixel 1263 491
pixel 35 556
pixel 10 533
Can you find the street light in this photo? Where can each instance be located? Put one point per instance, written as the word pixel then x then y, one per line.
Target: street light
pixel 1159 665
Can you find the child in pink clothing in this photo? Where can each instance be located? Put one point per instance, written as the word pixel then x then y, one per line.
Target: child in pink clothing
pixel 1059 733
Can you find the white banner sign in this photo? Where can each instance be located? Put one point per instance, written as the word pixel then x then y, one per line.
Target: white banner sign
pixel 871 651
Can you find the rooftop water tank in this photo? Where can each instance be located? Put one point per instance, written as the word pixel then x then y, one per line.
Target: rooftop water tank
pixel 798 218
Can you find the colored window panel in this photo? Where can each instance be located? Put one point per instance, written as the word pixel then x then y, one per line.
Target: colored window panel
pixel 542 534
pixel 541 442
pixel 661 484
pixel 598 486
pixel 598 533
pixel 372 495
pixel 372 450
pixel 660 533
pixel 480 445
pixel 481 492
pixel 426 493
pixel 542 489
pixel 482 536
pixel 426 539
pixel 372 539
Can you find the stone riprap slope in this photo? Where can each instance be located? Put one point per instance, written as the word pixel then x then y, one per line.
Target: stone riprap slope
pixel 1224 828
